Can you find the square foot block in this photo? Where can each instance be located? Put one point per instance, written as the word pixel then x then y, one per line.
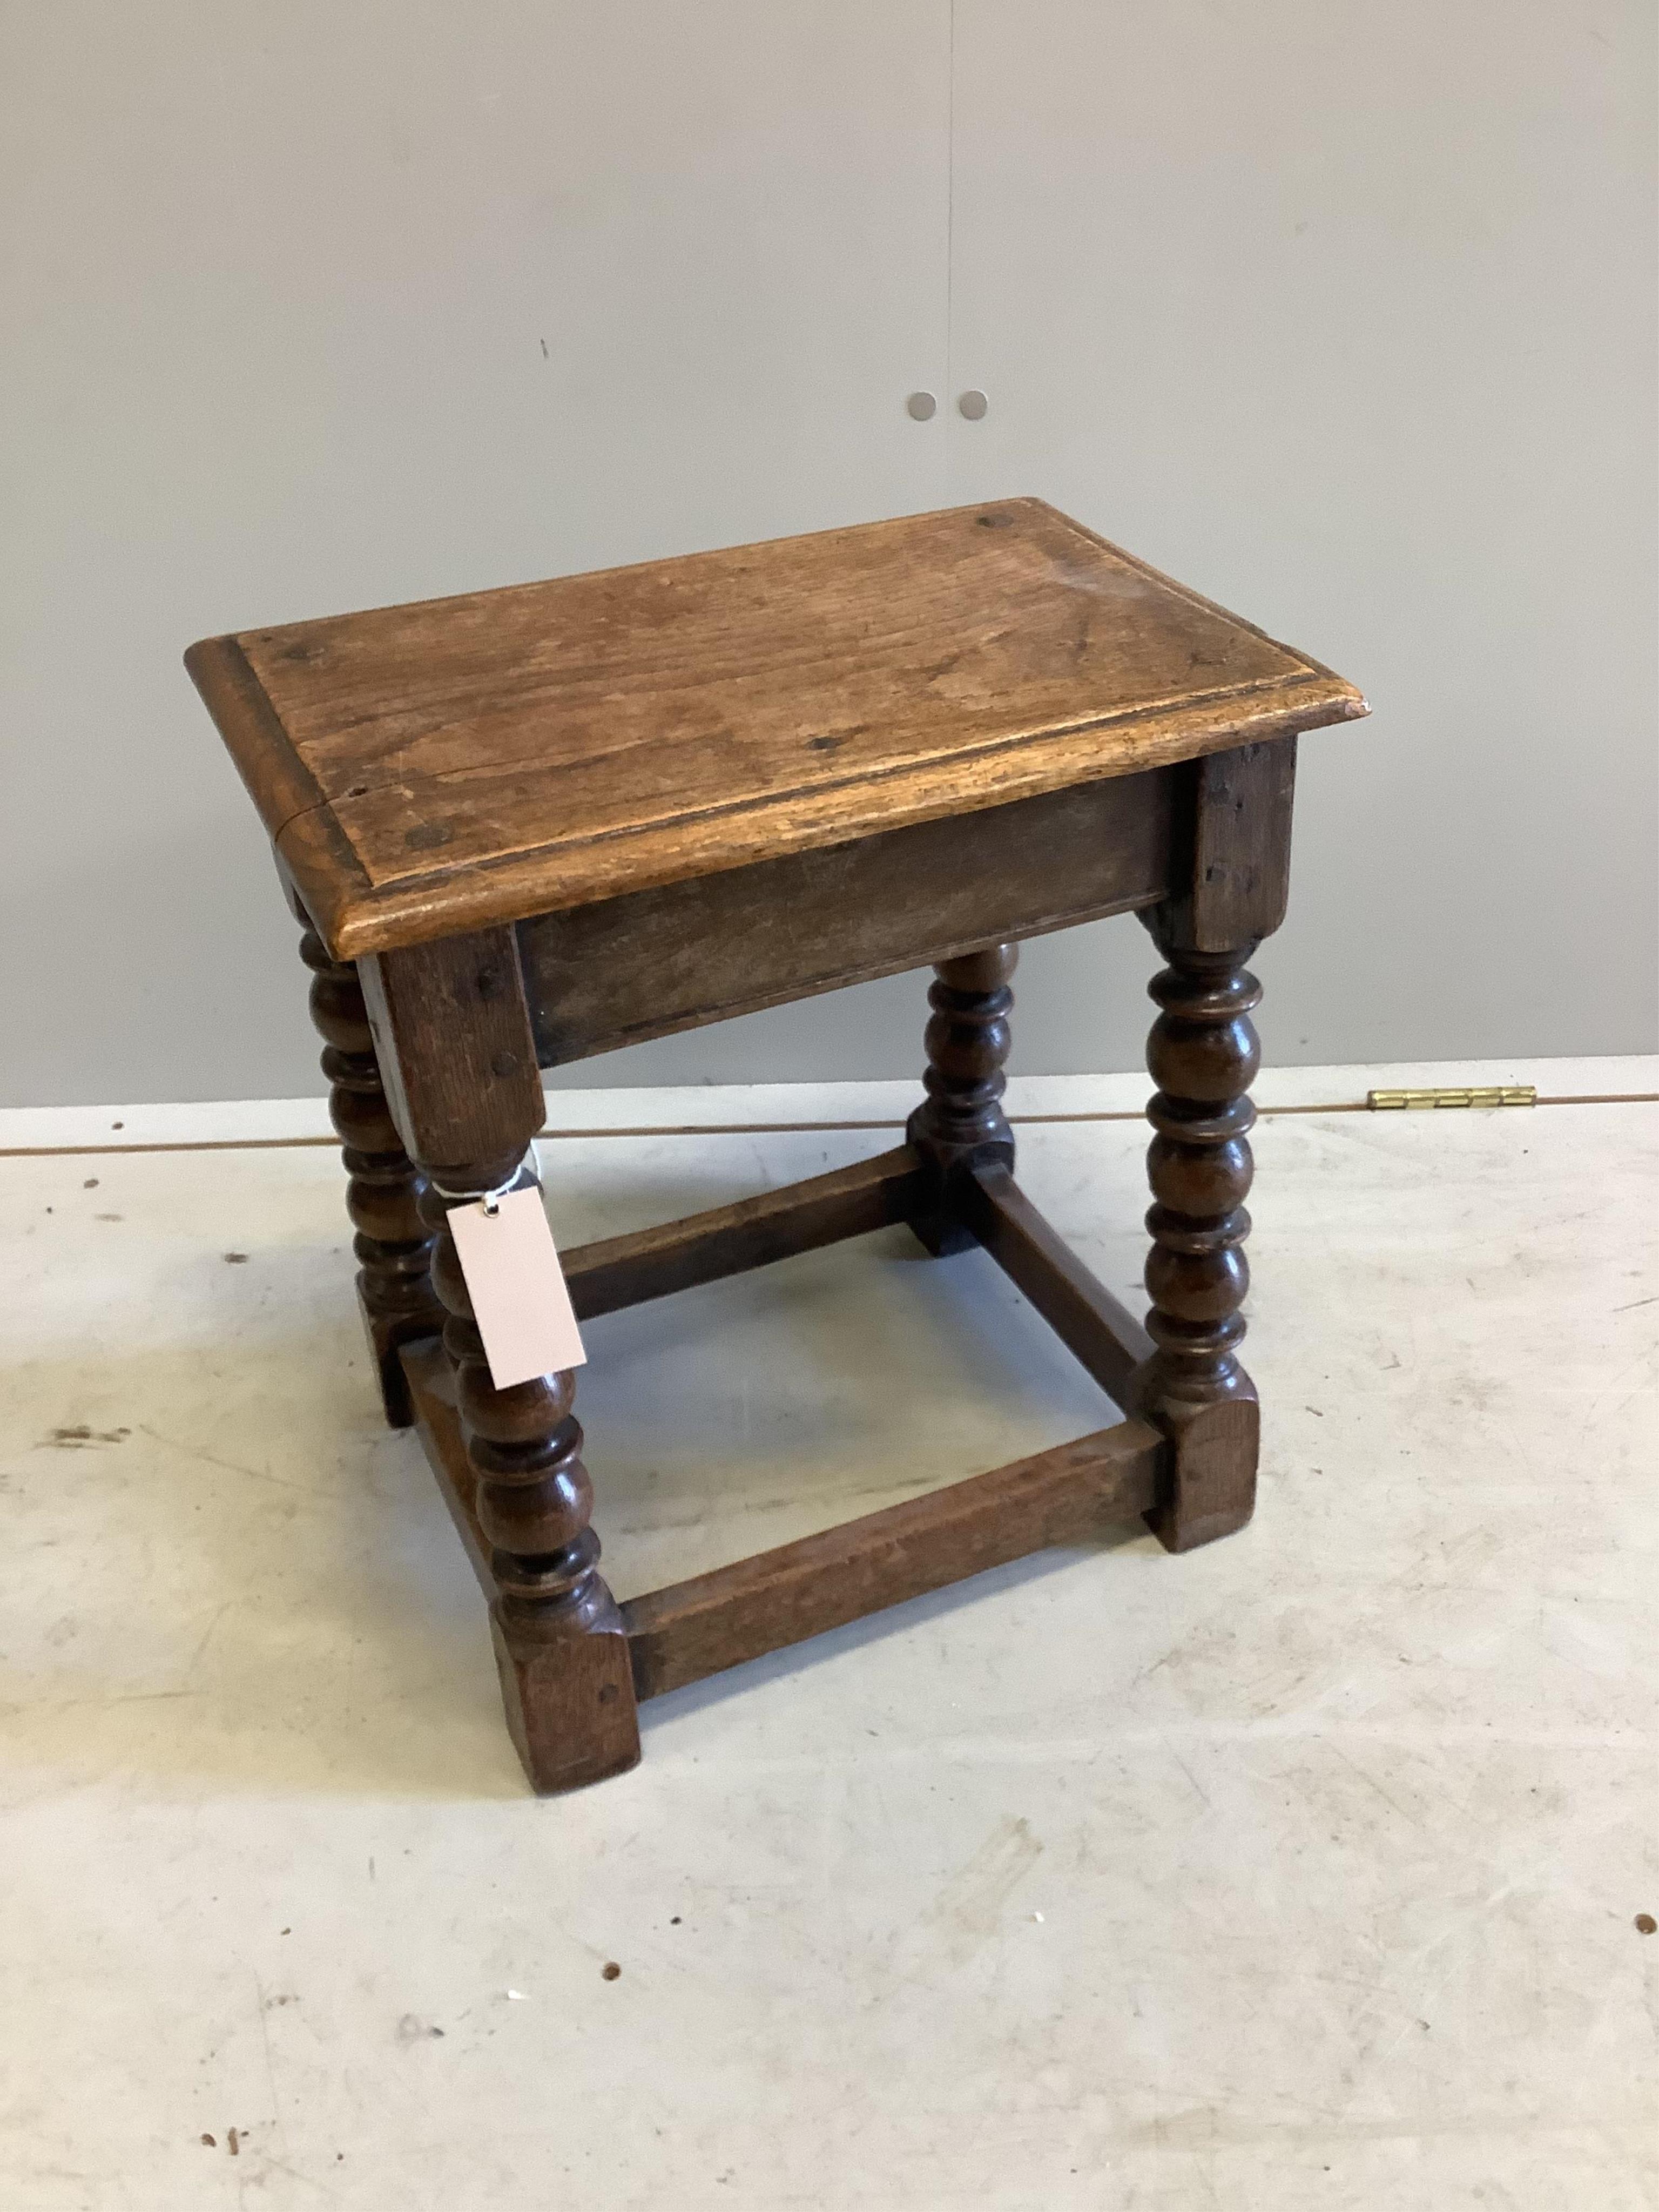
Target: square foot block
pixel 569 1702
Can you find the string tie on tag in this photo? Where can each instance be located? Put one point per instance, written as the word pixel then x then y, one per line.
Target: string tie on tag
pixel 490 1199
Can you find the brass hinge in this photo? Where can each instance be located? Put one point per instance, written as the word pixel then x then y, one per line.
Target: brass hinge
pixel 1507 1094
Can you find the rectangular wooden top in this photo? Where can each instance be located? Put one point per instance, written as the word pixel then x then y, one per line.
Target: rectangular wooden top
pixel 430 770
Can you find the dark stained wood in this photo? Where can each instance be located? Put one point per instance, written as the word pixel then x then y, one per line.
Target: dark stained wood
pixel 1232 845
pixel 960 1124
pixel 393 1244
pixel 1063 1496
pixel 1106 1338
pixel 453 1033
pixel 277 777
pixel 729 1240
pixel 1232 864
pixel 550 820
pixel 429 1379
pixel 655 962
pixel 1203 1054
pixel 480 759
pixel 559 1645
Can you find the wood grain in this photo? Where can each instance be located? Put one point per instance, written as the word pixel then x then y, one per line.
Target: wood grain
pixel 1064 1496
pixel 1228 890
pixel 453 1038
pixel 393 1244
pixel 960 1124
pixel 1230 864
pixel 561 1651
pixel 729 1240
pixel 429 1378
pixel 545 821
pixel 481 759
pixel 1105 1336
pixel 1203 1054
pixel 652 963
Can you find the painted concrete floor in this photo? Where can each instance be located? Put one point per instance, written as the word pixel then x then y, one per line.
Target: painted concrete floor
pixel 1304 1871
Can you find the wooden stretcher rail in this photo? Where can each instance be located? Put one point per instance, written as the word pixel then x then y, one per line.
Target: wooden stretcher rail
pixel 728 1240
pixel 700 1627
pixel 714 1621
pixel 431 1381
pixel 1104 1334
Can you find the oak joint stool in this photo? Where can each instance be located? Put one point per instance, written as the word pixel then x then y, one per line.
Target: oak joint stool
pixel 528 825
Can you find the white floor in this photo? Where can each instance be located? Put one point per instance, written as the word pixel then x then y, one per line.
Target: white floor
pixel 1304 1871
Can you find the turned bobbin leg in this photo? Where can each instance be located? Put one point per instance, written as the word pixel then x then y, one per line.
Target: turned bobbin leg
pixel 393 1243
pixel 1228 893
pixel 455 1036
pixel 1203 1054
pixel 961 1123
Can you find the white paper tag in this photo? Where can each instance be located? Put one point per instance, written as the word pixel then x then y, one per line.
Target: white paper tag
pixel 520 1298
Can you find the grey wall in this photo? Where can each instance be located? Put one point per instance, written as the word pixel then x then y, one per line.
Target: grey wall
pixel 1344 314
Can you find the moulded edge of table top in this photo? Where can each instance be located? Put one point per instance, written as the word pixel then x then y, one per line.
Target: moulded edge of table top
pixel 356 917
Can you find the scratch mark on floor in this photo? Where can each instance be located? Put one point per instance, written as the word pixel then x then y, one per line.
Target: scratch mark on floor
pixel 1204 1795
pixel 1393 1803
pixel 271 2070
pixel 207 1637
pixel 212 1459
